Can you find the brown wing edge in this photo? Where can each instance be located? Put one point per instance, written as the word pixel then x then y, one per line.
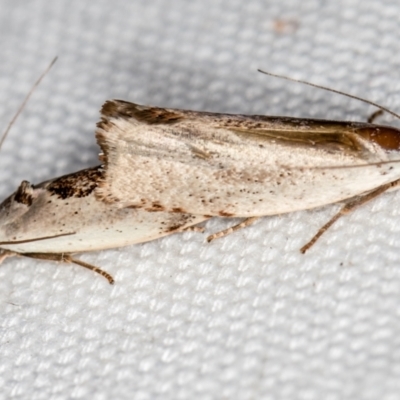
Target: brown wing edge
pixel 145 114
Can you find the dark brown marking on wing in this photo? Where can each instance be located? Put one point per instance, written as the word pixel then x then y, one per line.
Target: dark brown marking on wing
pixel 178 210
pixel 174 228
pixel 225 214
pixel 79 184
pixel 108 198
pixel 178 222
pixel 155 207
pixel 134 206
pixel 146 114
pixel 24 193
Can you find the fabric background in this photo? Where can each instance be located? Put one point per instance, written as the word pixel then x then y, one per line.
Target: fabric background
pixel 245 317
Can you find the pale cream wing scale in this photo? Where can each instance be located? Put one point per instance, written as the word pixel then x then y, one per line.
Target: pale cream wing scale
pixel 236 165
pixel 64 216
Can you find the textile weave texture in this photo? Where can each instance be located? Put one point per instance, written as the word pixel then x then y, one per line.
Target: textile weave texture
pixel 244 317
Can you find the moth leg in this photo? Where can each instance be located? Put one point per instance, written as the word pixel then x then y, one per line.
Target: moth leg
pixel 67 258
pixel 228 231
pixel 347 208
pixel 6 254
pixel 93 268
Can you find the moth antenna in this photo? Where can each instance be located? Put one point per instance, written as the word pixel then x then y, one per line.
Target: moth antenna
pixel 351 96
pixel 23 104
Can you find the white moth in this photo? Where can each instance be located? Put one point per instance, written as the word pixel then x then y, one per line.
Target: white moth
pixel 165 170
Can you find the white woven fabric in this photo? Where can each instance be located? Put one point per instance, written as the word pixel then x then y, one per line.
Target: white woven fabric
pixel 247 316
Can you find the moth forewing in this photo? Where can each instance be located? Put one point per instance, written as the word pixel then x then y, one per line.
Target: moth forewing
pixel 237 165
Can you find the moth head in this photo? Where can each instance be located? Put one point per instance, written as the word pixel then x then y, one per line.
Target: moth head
pixel 18 203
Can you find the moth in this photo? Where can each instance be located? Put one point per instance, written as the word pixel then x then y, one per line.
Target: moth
pixel 165 170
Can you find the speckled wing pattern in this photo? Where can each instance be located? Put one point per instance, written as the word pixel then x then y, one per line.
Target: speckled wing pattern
pixel 211 164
